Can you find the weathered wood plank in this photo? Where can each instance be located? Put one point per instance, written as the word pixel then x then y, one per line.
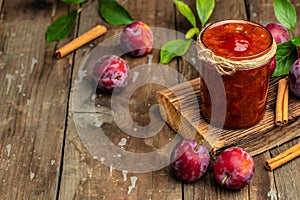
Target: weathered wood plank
pixel 33 106
pixel 262 184
pixel 262 181
pixel 80 180
pixel 285 188
pixel 183 107
pixel 1 5
pixel 33 103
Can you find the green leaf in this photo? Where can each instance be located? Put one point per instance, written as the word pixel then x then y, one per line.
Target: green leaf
pixel 114 13
pixel 173 49
pixel 61 27
pixel 286 55
pixel 296 41
pixel 285 13
pixel 204 9
pixel 192 32
pixel 185 10
pixel 69 2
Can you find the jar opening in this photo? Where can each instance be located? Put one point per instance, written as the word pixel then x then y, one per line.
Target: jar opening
pixel 237 39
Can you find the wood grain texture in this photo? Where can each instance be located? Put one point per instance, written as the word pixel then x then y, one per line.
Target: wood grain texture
pixel 280 187
pixel 206 188
pixel 183 115
pixel 42 155
pixel 33 104
pixel 84 175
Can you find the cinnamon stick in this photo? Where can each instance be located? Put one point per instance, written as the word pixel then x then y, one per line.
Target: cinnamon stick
pixel 285 106
pixel 81 40
pixel 283 158
pixel 281 111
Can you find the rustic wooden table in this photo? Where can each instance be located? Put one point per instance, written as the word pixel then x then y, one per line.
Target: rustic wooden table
pixel 42 155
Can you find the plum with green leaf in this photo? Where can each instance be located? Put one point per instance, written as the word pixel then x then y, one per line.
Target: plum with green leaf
pixel 179 47
pixel 280 35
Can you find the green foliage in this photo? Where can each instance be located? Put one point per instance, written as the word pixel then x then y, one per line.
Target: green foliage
pixel 204 9
pixel 114 13
pixel 176 48
pixel 173 49
pixel 69 2
pixel 285 13
pixel 61 27
pixel 110 10
pixel 296 41
pixel 286 55
pixel 192 32
pixel 185 10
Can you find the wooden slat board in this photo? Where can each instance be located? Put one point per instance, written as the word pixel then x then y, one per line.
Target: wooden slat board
pixel 263 184
pixel 280 185
pixel 33 102
pixel 83 176
pixel 183 114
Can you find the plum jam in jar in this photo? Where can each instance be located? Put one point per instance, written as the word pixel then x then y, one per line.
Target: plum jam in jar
pixel 235 58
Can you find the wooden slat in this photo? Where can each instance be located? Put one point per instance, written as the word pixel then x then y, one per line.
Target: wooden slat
pixel 206 188
pixel 255 140
pixel 263 184
pixel 285 188
pixel 1 5
pixel 33 103
pixel 83 176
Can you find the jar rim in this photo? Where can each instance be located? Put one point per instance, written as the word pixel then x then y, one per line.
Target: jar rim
pixel 236 21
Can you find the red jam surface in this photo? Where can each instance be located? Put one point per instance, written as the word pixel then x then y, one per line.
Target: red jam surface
pixel 237 40
pixel 246 90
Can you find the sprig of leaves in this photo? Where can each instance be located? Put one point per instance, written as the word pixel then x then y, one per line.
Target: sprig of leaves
pixel 110 10
pixel 286 53
pixel 176 48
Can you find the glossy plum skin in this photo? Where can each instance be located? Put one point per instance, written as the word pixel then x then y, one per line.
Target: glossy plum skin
pixel 272 65
pixel 280 34
pixel 294 78
pixel 188 165
pixel 237 165
pixel 137 39
pixel 110 72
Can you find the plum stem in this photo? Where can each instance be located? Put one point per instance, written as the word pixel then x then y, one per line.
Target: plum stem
pixel 224 179
pixel 198 145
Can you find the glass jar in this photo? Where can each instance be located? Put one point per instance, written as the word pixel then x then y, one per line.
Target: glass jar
pixel 239 53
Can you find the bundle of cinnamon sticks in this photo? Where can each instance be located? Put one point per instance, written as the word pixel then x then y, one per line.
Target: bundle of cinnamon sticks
pixel 283 158
pixel 281 118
